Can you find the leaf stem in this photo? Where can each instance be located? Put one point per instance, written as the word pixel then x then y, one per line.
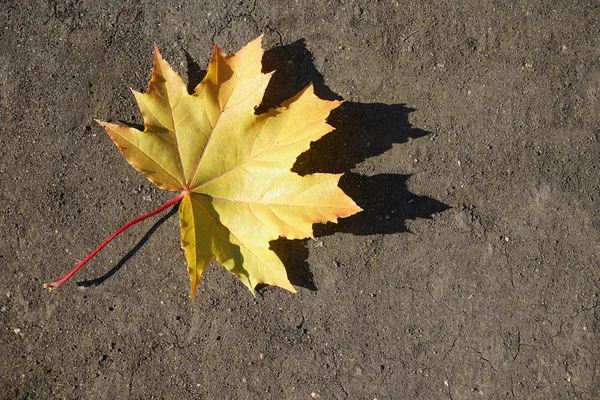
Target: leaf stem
pixel 62 280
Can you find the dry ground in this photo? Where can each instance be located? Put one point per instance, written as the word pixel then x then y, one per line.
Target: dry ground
pixel 470 136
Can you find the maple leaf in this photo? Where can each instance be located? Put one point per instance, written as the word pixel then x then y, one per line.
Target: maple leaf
pixel 232 167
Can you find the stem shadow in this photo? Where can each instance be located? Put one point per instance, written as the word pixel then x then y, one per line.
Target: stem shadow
pixel 130 253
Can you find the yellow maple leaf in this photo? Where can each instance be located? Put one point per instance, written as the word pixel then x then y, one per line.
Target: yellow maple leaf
pixel 233 167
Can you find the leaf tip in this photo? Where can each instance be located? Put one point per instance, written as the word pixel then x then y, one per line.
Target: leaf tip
pixel 137 95
pixel 259 39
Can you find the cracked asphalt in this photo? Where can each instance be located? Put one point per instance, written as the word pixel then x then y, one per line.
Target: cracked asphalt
pixel 470 135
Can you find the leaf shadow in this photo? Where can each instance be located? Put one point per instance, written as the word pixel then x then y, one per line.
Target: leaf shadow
pixel 98 281
pixel 362 131
pixel 195 73
pixel 131 124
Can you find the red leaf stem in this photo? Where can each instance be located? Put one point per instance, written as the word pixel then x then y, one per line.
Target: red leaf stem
pixel 62 280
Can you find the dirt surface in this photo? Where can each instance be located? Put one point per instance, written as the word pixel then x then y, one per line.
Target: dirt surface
pixel 470 136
